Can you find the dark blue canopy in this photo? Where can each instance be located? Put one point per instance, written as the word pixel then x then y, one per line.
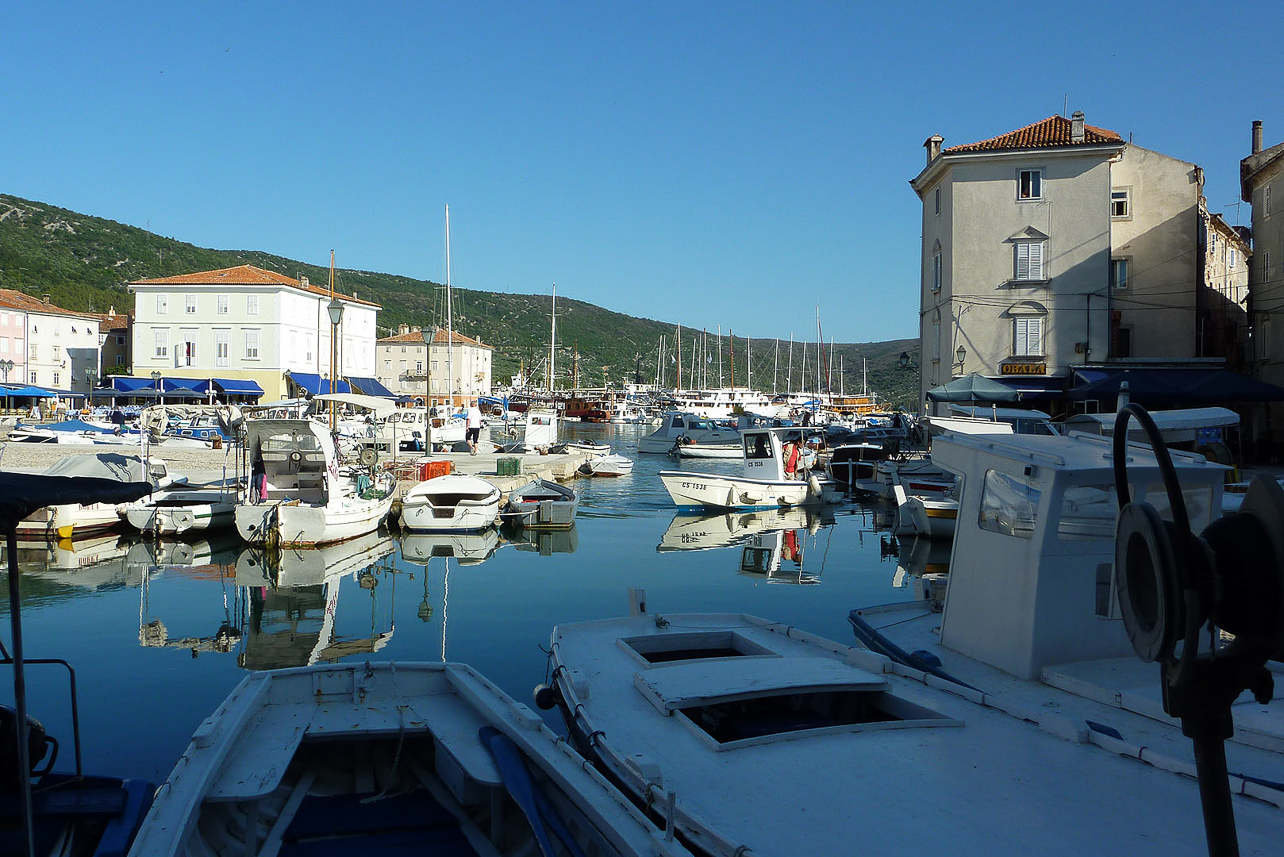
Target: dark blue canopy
pixel 1175 386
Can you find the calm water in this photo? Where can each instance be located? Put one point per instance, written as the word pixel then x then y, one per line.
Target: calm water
pixel 160 634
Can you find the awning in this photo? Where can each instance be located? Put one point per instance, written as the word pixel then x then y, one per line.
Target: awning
pixel 1175 386
pixel 1038 386
pixel 123 384
pixel 230 386
pixel 32 392
pixel 314 384
pixel 371 387
pixel 972 388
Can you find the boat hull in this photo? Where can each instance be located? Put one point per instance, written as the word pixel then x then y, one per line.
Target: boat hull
pixel 302 525
pixel 177 520
pixel 692 491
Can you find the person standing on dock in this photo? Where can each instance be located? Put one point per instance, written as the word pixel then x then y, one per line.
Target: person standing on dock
pixel 474 422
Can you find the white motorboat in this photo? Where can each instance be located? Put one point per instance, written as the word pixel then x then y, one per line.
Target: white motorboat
pixel 706 450
pixel 76 432
pixel 763 486
pixel 542 504
pixel 925 513
pixel 608 465
pixel 685 429
pixel 467 548
pixel 183 509
pixel 1032 606
pixel 67 521
pixel 385 758
pixel 450 502
pixel 763 738
pixel 298 494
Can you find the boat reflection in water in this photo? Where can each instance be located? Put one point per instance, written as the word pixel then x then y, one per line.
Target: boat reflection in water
pixel 773 541
pixel 205 560
pixel 59 555
pixel 468 548
pixel 545 542
pixel 923 564
pixel 294 601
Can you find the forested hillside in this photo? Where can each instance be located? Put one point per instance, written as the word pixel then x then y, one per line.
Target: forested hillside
pixel 85 263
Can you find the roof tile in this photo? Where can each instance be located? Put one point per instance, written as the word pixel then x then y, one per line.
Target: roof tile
pixel 14 299
pixel 244 275
pixel 1053 132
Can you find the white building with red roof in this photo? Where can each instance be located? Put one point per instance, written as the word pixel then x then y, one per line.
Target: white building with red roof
pixel 460 367
pixel 50 347
pixel 246 323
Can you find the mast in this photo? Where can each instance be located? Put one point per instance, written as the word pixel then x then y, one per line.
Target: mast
pixel 677 349
pixel 552 345
pixel 695 343
pixel 719 357
pixel 575 367
pixel 749 362
pixel 334 374
pixel 829 381
pixel 775 367
pixel 704 351
pixel 789 374
pixel 820 350
pixel 731 355
pixel 450 329
pixel 659 365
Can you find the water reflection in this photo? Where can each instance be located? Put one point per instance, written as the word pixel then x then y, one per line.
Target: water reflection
pixel 919 562
pixel 773 542
pixel 467 548
pixel 543 542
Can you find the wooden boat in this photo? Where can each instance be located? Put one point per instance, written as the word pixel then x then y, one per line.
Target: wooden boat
pixel 542 504
pixel 608 465
pixel 768 740
pixel 184 509
pixel 385 758
pixel 763 486
pixel 76 521
pixel 450 502
pixel 298 494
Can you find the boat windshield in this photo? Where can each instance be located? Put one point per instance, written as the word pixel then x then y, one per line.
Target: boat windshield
pixel 757 447
pixel 700 424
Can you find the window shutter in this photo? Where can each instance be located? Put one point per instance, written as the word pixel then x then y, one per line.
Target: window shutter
pixel 1034 343
pixel 1036 260
pixel 1023 261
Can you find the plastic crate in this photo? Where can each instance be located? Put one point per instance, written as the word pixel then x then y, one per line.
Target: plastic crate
pixel 433 469
pixel 508 466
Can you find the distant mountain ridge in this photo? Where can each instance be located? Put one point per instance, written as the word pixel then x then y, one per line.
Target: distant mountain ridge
pixel 84 263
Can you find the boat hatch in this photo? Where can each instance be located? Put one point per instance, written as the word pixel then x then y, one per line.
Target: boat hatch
pixel 668 648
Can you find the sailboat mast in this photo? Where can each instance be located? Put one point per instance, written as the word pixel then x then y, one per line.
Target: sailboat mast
pixel 731 355
pixel 789 373
pixel 552 345
pixel 677 349
pixel 829 367
pixel 719 357
pixel 820 351
pixel 775 367
pixel 450 329
pixel 749 363
pixel 704 362
pixel 659 365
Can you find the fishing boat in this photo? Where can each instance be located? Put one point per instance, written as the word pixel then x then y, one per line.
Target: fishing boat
pixel 542 504
pixel 608 465
pixel 450 502
pixel 469 548
pixel 763 485
pixel 685 429
pixel 183 509
pixel 73 520
pixel 762 738
pixel 381 758
pixel 298 494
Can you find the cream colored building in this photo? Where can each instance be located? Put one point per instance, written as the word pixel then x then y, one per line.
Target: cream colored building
pixel 401 369
pixel 1223 316
pixel 1055 246
pixel 245 323
pixel 50 347
pixel 1262 185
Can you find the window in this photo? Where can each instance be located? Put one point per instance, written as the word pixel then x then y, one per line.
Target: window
pixel 1266 200
pixel 936 341
pixel 120 359
pixel 162 304
pixel 1121 202
pixel 307 344
pixel 33 377
pixel 1027 336
pixel 4 345
pixel 32 357
pixel 387 366
pixel 191 304
pixel 419 367
pixel 1030 184
pixel 56 379
pixel 187 356
pixel 938 200
pixel 1119 273
pixel 1123 342
pixel 1264 351
pixel 222 304
pixel 1009 505
pixel 222 346
pixel 251 304
pixel 936 272
pixel 56 353
pixel 120 340
pixel 252 341
pixel 1029 260
pixel 161 340
pixel 1266 274
pixel 1233 258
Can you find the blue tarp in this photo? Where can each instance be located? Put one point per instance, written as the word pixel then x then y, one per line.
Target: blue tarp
pixel 371 387
pixel 76 425
pixel 33 392
pixel 314 384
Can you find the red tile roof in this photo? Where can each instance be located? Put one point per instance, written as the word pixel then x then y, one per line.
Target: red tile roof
pixel 14 299
pixel 1052 132
pixel 245 275
pixel 106 322
pixel 440 337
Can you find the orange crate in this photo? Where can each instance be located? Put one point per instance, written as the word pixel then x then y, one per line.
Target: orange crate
pixel 433 469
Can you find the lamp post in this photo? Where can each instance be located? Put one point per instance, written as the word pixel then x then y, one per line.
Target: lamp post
pixel 90 375
pixel 156 382
pixel 6 366
pixel 335 308
pixel 961 354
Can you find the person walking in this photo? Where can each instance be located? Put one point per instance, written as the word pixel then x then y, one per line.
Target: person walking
pixel 474 422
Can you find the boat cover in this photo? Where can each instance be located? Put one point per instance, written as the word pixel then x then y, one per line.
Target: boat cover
pixel 23 493
pixel 117 466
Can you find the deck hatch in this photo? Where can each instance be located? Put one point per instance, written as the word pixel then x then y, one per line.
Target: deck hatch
pixel 670 648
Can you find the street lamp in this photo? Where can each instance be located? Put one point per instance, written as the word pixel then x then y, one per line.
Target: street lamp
pixel 335 308
pixel 156 382
pixel 90 375
pixel 905 359
pixel 961 354
pixel 6 366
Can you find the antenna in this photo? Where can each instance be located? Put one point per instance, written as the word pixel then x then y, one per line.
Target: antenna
pixel 1065 105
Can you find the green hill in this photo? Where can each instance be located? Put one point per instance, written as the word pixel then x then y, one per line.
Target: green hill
pixel 84 263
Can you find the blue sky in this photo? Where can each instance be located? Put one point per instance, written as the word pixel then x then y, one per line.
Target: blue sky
pixel 729 164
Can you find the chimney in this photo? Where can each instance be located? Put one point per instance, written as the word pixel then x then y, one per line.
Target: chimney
pixel 46 297
pixel 111 313
pixel 303 281
pixel 1257 136
pixel 933 146
pixel 405 328
pixel 1076 127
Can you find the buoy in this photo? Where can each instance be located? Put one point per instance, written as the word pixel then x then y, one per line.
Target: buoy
pixel 545 697
pixel 813 485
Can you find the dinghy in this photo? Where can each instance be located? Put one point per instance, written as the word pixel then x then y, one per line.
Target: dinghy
pixel 449 503
pixel 542 504
pixel 390 758
pixel 76 521
pixel 181 510
pixel 607 465
pixel 768 740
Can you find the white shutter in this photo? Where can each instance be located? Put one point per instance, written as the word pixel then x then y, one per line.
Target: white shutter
pixel 1036 260
pixel 1023 261
pixel 1029 260
pixel 1028 336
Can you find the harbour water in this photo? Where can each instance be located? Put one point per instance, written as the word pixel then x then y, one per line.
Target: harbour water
pixel 158 634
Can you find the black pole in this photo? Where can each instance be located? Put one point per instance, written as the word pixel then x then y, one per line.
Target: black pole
pixel 20 694
pixel 1215 797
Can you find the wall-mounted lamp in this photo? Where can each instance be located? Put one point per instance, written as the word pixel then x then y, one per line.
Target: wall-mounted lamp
pixel 960 355
pixel 907 361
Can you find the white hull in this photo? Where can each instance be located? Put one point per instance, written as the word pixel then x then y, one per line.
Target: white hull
pixel 301 525
pixel 609 465
pixel 700 450
pixel 446 503
pixel 68 521
pixel 713 491
pixel 178 512
pixel 933 519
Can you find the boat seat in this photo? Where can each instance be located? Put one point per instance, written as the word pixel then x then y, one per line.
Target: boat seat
pixel 410 823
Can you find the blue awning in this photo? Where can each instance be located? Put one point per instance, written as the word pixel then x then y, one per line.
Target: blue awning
pixel 233 386
pixel 371 387
pixel 122 384
pixel 315 385
pixel 1180 386
pixel 33 392
pixel 179 385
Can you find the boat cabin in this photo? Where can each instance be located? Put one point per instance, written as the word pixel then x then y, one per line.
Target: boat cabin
pixel 289 460
pixel 1021 420
pixel 1031 580
pixel 763 455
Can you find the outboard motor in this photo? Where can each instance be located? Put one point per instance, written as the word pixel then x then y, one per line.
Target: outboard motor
pixel 38 744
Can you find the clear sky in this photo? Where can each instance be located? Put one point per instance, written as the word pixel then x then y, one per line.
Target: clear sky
pixel 730 164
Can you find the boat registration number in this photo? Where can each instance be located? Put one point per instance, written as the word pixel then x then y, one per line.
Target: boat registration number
pixel 695 486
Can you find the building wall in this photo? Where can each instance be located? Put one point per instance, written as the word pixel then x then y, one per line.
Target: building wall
pixel 13 344
pixel 471 365
pixel 1266 275
pixel 1159 238
pixel 61 350
pixel 1225 259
